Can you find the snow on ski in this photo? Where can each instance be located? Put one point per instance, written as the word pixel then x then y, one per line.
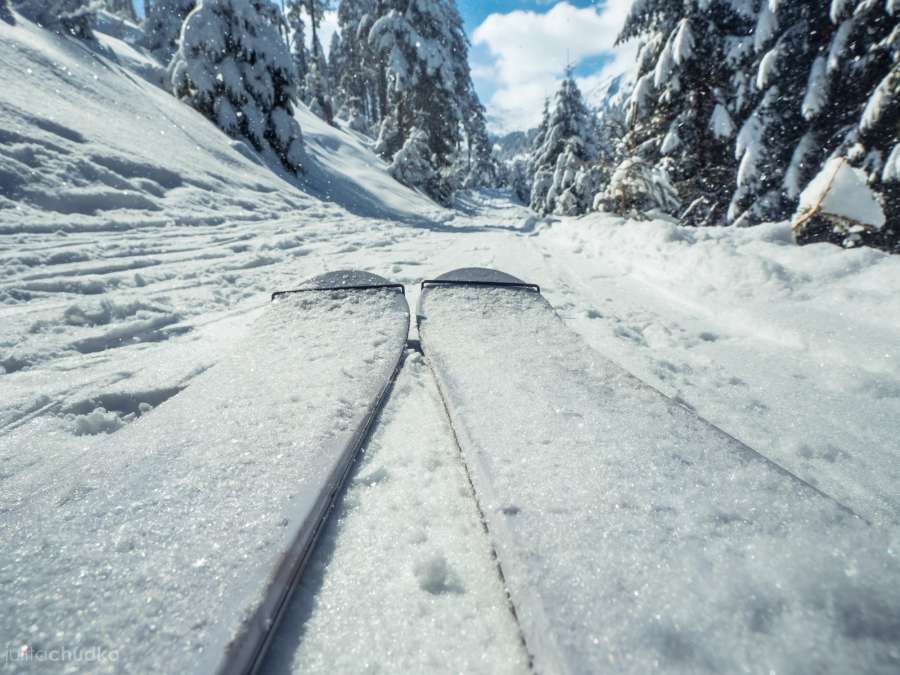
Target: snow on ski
pixel 176 543
pixel 634 536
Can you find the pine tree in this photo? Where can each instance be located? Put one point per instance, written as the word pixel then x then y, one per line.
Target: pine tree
pixel 162 26
pixel 566 142
pixel 335 68
pixel 233 67
pixel 852 103
pixel 296 31
pixel 317 86
pixel 681 113
pixel 519 179
pixel 787 44
pixel 315 10
pixel 67 17
pixel 481 168
pixel 611 130
pixel 537 142
pixel 414 166
pixel 354 84
pixel 424 49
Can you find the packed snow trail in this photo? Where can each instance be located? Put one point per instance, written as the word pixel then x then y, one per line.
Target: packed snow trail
pixel 633 536
pixel 795 351
pixel 174 543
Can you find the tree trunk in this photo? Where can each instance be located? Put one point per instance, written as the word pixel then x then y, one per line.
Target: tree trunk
pixel 311 9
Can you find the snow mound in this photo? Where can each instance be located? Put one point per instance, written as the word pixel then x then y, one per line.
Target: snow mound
pixel 100 421
pixel 840 191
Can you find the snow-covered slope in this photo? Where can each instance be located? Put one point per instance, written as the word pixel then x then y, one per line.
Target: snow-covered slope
pixel 111 187
pixel 89 145
pixel 796 351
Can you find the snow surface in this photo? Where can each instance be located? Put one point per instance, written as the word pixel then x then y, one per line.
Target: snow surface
pixel 633 536
pixel 121 304
pixel 792 350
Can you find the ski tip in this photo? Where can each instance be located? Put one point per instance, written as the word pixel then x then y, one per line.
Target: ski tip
pixel 349 280
pixel 479 276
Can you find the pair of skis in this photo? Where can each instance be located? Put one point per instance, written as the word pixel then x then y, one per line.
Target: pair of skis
pixel 633 536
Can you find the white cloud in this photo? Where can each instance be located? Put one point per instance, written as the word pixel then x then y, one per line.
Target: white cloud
pixel 530 51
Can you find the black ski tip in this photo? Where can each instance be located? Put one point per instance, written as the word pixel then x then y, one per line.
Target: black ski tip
pixel 479 276
pixel 348 280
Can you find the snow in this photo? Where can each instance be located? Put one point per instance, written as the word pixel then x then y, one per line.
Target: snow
pixel 139 244
pixel 629 531
pixel 97 422
pixel 891 172
pixel 840 190
pixel 755 334
pixel 683 43
pixel 816 89
pixel 671 141
pixel 720 123
pixel 768 69
pixel 766 26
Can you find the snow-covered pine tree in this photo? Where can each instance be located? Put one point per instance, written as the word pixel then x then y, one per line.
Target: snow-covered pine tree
pixel 537 142
pixel 772 145
pixel 317 85
pixel 68 17
pixel 162 26
pixel 296 31
pixel 234 68
pixel 482 169
pixel 519 178
pixel 852 105
pixel 681 117
pixel 428 85
pixel 413 166
pixel 335 68
pixel 354 85
pixel 565 144
pixel 315 10
pixel 611 129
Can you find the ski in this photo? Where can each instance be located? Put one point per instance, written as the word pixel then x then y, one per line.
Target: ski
pixel 634 536
pixel 180 553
